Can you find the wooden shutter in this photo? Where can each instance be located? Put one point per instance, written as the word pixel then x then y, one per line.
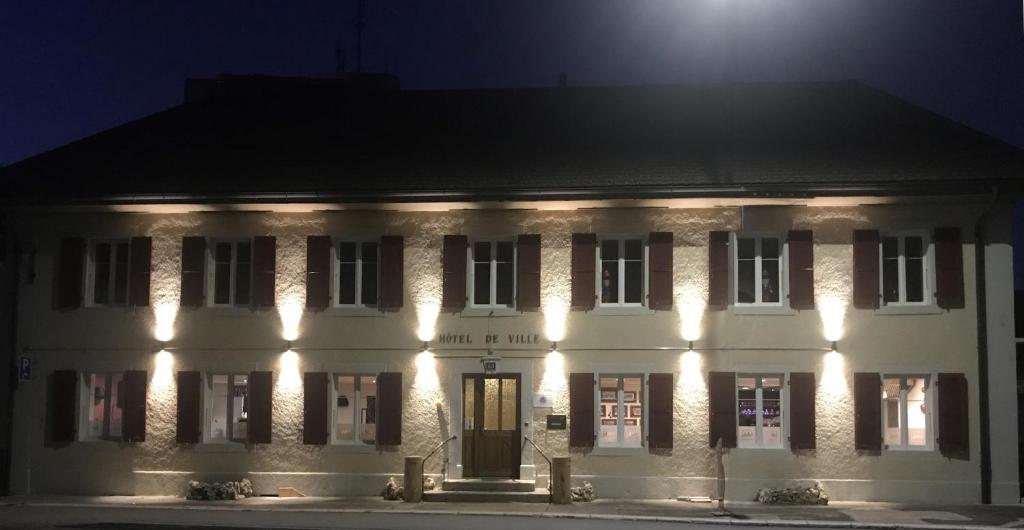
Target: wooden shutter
pixel 389 408
pixel 659 431
pixel 453 267
pixel 660 270
pixel 133 419
pixel 140 267
pixel 954 429
pixel 865 269
pixel 528 272
pixel 581 410
pixel 584 265
pixel 318 271
pixel 189 407
pixel 69 273
pixel 193 270
pixel 392 270
pixel 867 412
pixel 722 408
pixel 801 269
pixel 260 402
pixel 62 406
pixel 801 411
pixel 949 268
pixel 314 407
pixel 718 271
pixel 264 270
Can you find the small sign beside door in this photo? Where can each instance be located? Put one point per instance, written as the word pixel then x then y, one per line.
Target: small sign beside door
pixel 542 400
pixel 24 368
pixel 556 422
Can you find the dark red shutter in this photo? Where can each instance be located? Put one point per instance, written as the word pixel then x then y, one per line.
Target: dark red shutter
pixel 954 429
pixel 584 264
pixel 62 406
pixel 581 410
pixel 453 266
pixel 528 272
pixel 140 269
pixel 133 419
pixel 722 408
pixel 69 273
pixel 264 270
pixel 660 270
pixel 392 271
pixel 193 270
pixel 867 412
pixel 389 403
pixel 659 430
pixel 260 402
pixel 189 407
pixel 865 269
pixel 314 408
pixel 718 272
pixel 801 411
pixel 949 268
pixel 318 271
pixel 801 269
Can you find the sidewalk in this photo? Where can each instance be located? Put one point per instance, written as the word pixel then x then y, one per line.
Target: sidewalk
pixel 836 515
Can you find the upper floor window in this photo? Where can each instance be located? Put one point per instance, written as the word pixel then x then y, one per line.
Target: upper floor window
pixel 759 411
pixel 227 407
pixel 906 413
pixel 758 270
pixel 232 272
pixel 621 279
pixel 355 410
pixel 102 406
pixel 108 272
pixel 492 275
pixel 904 269
pixel 356 279
pixel 622 409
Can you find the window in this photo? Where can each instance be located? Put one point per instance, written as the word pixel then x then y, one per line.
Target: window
pixel 904 269
pixel 621 282
pixel 356 278
pixel 759 411
pixel 355 410
pixel 227 407
pixel 232 272
pixel 621 411
pixel 108 282
pixel 758 270
pixel 102 406
pixel 492 274
pixel 906 415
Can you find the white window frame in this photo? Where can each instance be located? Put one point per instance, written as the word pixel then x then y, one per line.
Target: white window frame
pixel 734 262
pixel 927 263
pixel 85 400
pixel 336 271
pixel 211 267
pixel 90 274
pixel 357 399
pixel 471 274
pixel 759 416
pixel 929 405
pixel 620 406
pixel 208 401
pixel 621 239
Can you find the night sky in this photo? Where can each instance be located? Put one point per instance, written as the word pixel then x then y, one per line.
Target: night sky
pixel 68 69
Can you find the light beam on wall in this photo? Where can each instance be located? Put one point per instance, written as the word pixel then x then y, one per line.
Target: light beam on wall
pixel 554 380
pixel 290 311
pixel 833 376
pixel 163 374
pixel 289 378
pixel 164 313
pixel 832 309
pixel 691 377
pixel 426 315
pixel 691 305
pixel 556 313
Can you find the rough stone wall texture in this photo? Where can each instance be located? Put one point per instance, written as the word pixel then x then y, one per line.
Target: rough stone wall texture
pixel 230 340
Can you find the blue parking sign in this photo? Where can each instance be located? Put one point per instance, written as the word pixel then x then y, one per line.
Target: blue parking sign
pixel 24 368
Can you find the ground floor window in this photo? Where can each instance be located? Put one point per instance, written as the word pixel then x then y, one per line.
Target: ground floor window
pixel 102 406
pixel 759 411
pixel 355 410
pixel 227 407
pixel 905 411
pixel 621 411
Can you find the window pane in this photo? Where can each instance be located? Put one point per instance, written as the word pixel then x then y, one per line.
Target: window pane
pixel 770 281
pixel 491 404
pixel 239 408
pixel 222 273
pixel 610 414
pixel 914 276
pixel 482 283
pixel 468 400
pixel 609 282
pixel 368 414
pixel 745 248
pixel 98 407
pixel 508 404
pixel 116 405
pixel 890 272
pixel 913 247
pixel 504 251
pixel 101 281
pixel 745 281
pixel 243 273
pixel 610 250
pixel 121 274
pixel 632 411
pixel 506 281
pixel 746 431
pixel 634 249
pixel 219 418
pixel 891 410
pixel 770 248
pixel 222 253
pixel 482 251
pixel 917 431
pixel 347 252
pixel 346 282
pixel 634 282
pixel 344 414
pixel 771 412
pixel 890 247
pixel 369 274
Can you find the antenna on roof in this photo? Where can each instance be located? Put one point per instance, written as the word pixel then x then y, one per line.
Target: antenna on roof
pixel 360 24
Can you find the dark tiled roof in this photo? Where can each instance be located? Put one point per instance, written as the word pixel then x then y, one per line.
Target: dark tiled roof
pixel 673 140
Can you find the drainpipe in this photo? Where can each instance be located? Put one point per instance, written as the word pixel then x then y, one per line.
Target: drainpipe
pixel 14 268
pixel 982 314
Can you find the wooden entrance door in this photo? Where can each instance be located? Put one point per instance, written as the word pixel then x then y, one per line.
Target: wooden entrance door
pixel 491 425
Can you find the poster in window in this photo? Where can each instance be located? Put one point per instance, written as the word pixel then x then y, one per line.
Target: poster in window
pixel 629 397
pixel 608 422
pixel 634 411
pixel 608 396
pixel 630 422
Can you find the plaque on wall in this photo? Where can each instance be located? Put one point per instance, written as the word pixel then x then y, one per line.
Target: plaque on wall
pixel 556 422
pixel 542 400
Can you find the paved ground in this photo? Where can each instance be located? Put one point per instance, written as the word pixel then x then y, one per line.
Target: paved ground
pixel 169 513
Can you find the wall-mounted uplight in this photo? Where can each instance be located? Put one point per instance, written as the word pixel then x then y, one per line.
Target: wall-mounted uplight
pixel 834 347
pixel 689 346
pixel 554 346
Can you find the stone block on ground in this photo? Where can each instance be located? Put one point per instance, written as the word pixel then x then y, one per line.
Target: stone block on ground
pixel 813 495
pixel 584 493
pixel 392 491
pixel 219 491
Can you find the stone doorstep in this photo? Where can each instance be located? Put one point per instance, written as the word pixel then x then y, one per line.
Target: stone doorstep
pixel 493 485
pixel 531 496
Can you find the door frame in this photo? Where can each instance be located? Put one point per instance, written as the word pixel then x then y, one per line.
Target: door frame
pixel 471 465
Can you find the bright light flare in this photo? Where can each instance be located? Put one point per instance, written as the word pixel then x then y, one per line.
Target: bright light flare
pixel 164 313
pixel 691 306
pixel 556 313
pixel 290 376
pixel 691 378
pixel 832 309
pixel 426 373
pixel 426 315
pixel 833 376
pixel 554 380
pixel 163 373
pixel 290 311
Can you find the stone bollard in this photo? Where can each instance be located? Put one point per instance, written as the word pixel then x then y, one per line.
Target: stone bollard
pixel 561 480
pixel 413 483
